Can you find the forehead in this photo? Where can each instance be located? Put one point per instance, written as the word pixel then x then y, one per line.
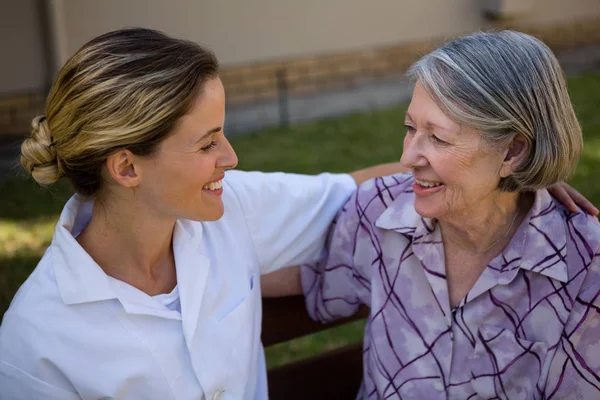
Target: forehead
pixel 208 109
pixel 210 100
pixel 422 107
pixel 207 113
pixel 423 111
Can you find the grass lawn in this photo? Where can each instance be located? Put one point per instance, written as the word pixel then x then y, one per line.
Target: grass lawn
pixel 28 213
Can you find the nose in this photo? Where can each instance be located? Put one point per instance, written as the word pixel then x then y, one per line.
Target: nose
pixel 228 159
pixel 413 152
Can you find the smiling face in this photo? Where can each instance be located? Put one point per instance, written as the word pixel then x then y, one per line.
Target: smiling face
pixel 455 170
pixel 183 178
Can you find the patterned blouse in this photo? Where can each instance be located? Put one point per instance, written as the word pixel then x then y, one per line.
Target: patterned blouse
pixel 528 329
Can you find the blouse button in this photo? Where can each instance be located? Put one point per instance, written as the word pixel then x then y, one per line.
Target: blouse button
pixel 439 386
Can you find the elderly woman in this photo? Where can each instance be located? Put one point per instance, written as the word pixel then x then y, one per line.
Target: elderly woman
pixel 480 285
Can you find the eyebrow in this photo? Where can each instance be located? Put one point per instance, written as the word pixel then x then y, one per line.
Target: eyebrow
pixel 207 134
pixel 430 124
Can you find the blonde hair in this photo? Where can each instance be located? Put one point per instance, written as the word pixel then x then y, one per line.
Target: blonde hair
pixel 503 84
pixel 125 89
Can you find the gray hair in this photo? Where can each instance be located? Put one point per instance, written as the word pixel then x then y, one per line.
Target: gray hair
pixel 503 84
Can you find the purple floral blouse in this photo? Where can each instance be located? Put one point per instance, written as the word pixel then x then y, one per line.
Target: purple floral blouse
pixel 528 329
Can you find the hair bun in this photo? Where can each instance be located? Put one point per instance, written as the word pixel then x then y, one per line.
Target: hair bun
pixel 38 155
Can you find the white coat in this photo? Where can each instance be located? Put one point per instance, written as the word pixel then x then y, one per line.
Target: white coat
pixel 72 333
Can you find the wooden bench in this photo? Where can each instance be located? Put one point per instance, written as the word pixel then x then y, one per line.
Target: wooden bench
pixel 335 374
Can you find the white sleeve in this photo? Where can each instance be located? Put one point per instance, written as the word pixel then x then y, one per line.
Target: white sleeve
pixel 16 384
pixel 288 215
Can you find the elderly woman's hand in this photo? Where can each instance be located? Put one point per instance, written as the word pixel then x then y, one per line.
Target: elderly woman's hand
pixel 571 198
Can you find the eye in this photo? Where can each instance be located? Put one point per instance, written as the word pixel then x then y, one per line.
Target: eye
pixel 410 129
pixel 210 146
pixel 437 139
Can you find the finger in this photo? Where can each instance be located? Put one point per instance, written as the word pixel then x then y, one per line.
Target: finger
pixel 582 201
pixel 567 199
pixel 560 193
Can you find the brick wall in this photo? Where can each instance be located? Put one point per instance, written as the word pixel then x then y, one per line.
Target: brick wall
pixel 17 111
pixel 250 83
pixel 259 81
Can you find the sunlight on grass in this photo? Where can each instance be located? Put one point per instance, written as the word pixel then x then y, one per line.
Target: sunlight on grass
pixel 31 236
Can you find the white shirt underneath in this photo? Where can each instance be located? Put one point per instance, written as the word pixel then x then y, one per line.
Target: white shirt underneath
pixel 169 300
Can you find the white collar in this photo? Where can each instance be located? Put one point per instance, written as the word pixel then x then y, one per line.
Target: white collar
pixel 79 278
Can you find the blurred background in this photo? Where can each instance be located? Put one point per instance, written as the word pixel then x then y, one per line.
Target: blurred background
pixel 312 86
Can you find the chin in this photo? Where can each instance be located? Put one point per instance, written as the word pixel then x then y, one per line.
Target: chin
pixel 213 214
pixel 430 211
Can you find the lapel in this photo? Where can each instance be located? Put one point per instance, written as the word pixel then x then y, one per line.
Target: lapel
pixel 192 273
pixel 79 278
pixel 427 245
pixel 539 245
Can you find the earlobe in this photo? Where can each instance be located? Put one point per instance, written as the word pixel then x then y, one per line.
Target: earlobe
pixel 123 169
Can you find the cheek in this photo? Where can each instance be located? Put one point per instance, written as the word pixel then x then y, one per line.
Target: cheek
pixel 203 170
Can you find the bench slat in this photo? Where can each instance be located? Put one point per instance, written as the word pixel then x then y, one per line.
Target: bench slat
pixel 285 318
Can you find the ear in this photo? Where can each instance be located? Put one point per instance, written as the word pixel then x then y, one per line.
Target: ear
pixel 515 156
pixel 123 168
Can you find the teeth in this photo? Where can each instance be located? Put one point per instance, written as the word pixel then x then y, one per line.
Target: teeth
pixel 213 185
pixel 427 184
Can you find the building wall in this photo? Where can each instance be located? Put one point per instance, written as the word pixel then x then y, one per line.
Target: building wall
pixel 246 31
pixel 557 11
pixel 242 32
pixel 310 45
pixel 23 65
pixel 24 72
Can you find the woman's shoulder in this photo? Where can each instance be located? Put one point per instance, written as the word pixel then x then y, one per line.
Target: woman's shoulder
pixel 575 236
pixel 34 310
pixel 41 283
pixel 394 185
pixel 580 226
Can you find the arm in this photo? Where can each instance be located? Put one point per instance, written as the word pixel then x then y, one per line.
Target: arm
pixel 575 367
pixel 338 284
pixel 286 281
pixel 283 282
pixel 376 171
pixel 287 215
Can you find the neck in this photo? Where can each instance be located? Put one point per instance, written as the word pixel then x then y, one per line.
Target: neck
pixel 131 243
pixel 488 227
